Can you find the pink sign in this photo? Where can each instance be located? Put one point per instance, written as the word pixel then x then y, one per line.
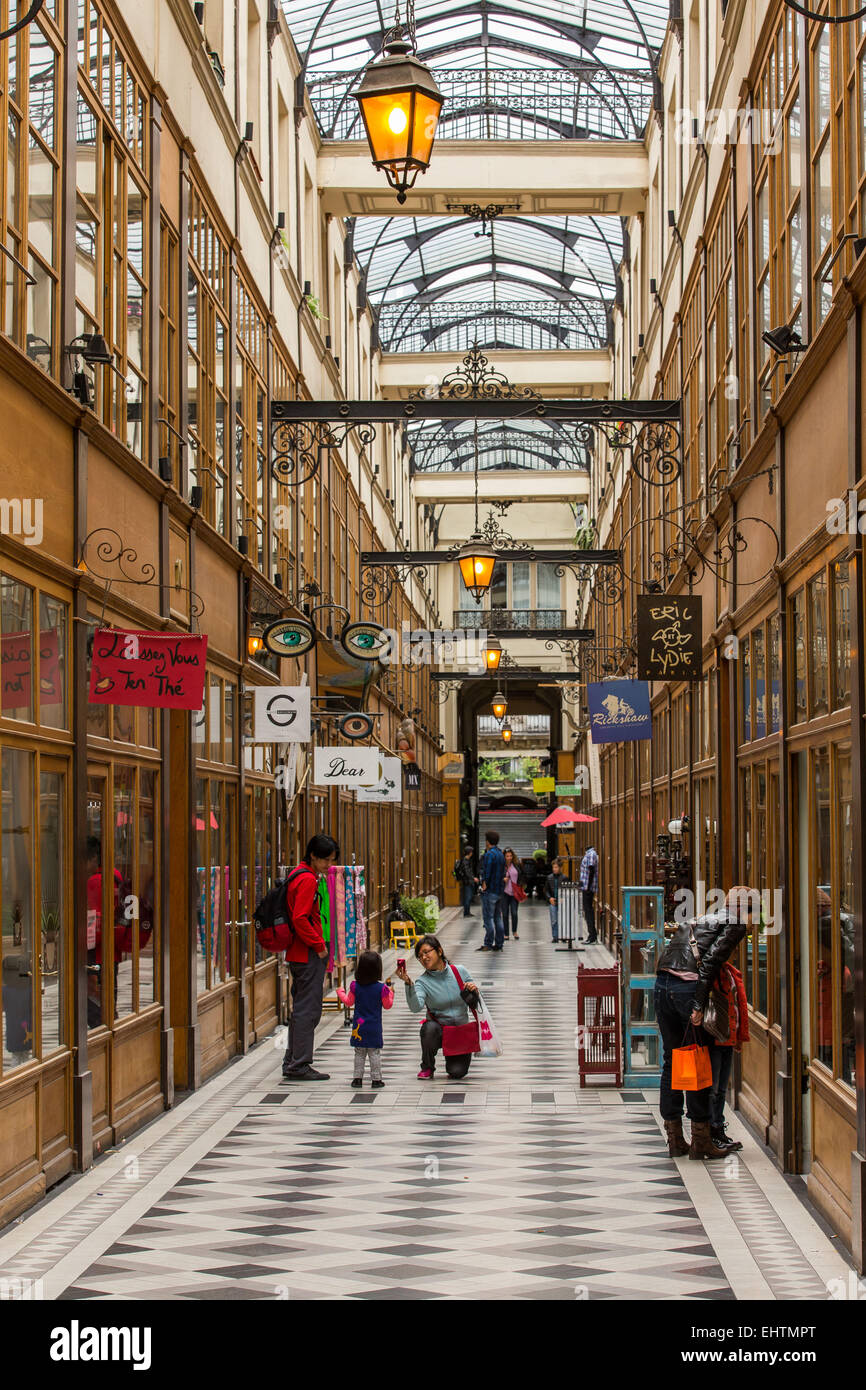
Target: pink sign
pixel 164 670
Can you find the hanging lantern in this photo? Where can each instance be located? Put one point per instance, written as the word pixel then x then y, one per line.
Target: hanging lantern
pixel 492 653
pixel 476 560
pixel 400 105
pixel 506 732
pixel 500 705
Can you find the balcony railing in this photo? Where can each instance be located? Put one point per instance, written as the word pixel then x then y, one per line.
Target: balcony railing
pixel 494 619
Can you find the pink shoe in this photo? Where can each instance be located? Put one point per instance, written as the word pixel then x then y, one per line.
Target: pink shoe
pixel 425 1075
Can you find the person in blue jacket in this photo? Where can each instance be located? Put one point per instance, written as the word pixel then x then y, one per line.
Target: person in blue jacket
pixel 491 873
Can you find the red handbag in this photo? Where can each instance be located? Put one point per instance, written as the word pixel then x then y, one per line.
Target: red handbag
pixel 460 1038
pixel 519 893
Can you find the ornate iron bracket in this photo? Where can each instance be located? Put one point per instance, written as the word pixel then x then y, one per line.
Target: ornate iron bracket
pixel 297 445
pixel 485 215
pixel 112 550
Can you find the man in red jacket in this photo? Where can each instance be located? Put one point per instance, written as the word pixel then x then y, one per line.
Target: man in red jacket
pixel 307 957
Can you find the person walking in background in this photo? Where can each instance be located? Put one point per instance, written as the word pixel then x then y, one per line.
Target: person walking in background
pixel 491 872
pixel 368 996
pixel 554 879
pixel 514 878
pixel 464 872
pixel 307 956
pixel 588 886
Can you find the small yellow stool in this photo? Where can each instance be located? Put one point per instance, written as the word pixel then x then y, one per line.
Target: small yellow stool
pixel 404 934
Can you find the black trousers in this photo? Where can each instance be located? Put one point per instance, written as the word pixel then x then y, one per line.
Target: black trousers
pixel 431 1041
pixel 589 913
pixel 308 977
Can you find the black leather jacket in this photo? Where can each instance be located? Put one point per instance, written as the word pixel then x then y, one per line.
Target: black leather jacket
pixel 716 936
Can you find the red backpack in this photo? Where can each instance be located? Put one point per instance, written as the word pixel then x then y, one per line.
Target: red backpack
pixel 274 930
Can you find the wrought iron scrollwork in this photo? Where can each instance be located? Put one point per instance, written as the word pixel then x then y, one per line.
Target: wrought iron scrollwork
pixel 297 446
pixel 685 552
pixel 110 550
pixel 378 581
pixel 570 694
pixel 607 660
pixel 476 380
pixel 569 647
pixel 655 447
pixel 608 581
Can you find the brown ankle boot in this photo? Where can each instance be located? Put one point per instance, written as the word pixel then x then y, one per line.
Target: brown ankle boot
pixel 702 1145
pixel 677 1146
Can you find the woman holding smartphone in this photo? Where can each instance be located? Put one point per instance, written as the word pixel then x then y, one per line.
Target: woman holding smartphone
pixel 443 991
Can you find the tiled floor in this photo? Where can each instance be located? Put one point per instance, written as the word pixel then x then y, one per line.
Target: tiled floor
pixel 513 1183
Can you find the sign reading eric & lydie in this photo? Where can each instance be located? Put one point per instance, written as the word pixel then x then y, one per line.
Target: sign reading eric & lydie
pixel 669 636
pixel 162 669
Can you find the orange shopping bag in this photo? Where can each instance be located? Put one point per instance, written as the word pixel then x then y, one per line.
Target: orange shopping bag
pixel 691 1069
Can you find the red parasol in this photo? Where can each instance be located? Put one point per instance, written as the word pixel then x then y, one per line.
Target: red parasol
pixel 565 814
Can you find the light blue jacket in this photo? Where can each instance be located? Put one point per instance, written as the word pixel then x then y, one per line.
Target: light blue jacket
pixel 438 991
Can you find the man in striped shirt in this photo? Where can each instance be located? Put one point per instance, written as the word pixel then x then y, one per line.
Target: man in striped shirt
pixel 588 886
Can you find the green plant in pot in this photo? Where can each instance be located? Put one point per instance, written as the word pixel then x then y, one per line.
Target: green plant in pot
pixel 424 912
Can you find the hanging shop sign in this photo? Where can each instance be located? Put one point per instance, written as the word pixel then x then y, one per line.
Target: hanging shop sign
pixel 345 767
pixel 540 785
pixel 619 711
pixel 434 808
pixel 355 726
pixel 282 714
pixel 289 637
pixel 406 740
pixel 16 664
pixel 568 789
pixel 388 787
pixel 594 772
pixel 669 635
pixel 411 777
pixel 161 669
pixel 451 766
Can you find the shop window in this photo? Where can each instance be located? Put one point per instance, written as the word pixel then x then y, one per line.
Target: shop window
pixel 33 672
pixel 819 655
pixel 775 676
pixel 798 665
pixel 845 889
pixel 759 675
pixel 215 802
pixel 34 939
pixel 823 998
pixel 207 323
pixel 758 880
pixel 169 374
pixel 746 689
pixel 841 597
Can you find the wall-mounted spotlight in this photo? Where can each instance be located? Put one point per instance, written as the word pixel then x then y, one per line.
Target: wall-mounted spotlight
pixel 783 340
pixel 166 472
pixel 196 493
pixel 243 544
pixel 198 11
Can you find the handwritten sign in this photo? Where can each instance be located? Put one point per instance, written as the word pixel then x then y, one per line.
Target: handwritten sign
pixel 16 663
pixel 160 669
pixel 345 767
pixel 669 634
pixel 619 711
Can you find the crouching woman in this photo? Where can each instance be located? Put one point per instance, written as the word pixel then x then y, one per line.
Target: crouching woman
pixel 443 990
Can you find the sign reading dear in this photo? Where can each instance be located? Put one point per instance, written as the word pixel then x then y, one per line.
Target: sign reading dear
pixel 345 767
pixel 160 669
pixel 668 638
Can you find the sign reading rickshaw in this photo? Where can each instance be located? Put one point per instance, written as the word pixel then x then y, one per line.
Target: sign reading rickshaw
pixel 164 670
pixel 669 632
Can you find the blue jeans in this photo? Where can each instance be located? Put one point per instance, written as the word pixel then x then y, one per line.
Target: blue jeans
pixel 553 909
pixel 509 913
pixel 467 893
pixel 673 1003
pixel 491 912
pixel 722 1059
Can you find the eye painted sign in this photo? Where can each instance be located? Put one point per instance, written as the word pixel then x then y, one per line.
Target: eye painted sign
pixel 669 636
pixel 282 714
pixel 289 637
pixel 619 711
pixel 345 767
pixel 163 670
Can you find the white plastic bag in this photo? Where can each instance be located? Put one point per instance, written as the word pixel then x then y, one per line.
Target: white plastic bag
pixel 490 1044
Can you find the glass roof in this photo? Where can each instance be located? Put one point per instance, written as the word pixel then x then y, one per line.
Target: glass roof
pixel 508 69
pixel 528 282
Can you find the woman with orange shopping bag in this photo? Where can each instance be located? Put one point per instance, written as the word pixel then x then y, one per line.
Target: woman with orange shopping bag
pixel 687 967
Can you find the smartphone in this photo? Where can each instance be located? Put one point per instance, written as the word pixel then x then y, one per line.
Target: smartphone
pixel 401 965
